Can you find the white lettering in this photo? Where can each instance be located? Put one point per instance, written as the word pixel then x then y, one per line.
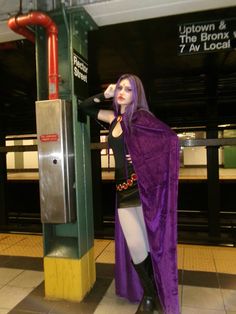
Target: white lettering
pixel 196 28
pixel 214 36
pixel 80 65
pixel 217 46
pixel 80 75
pixel 188 39
pixel 182 48
pixel 194 48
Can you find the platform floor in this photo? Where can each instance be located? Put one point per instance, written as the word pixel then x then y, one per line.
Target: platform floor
pixel 207 280
pixel 187 173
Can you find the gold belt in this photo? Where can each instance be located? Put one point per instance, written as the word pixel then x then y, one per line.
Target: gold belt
pixel 127 183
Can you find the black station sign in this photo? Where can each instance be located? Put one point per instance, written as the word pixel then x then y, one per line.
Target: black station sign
pixel 206 37
pixel 80 74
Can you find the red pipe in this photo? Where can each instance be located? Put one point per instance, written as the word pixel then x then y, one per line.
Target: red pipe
pixel 19 25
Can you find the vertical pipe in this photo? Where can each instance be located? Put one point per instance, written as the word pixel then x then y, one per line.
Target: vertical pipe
pixel 19 25
pixel 53 65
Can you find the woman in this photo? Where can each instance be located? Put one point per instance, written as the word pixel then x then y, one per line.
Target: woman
pixel 146 155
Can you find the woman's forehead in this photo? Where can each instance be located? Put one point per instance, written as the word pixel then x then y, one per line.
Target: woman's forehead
pixel 125 82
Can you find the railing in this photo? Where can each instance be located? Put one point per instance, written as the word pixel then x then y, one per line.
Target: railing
pixel 184 143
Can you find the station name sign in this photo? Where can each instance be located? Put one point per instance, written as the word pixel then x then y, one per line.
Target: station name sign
pixel 206 37
pixel 80 74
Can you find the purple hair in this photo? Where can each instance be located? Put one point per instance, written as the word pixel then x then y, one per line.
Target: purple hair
pixel 139 99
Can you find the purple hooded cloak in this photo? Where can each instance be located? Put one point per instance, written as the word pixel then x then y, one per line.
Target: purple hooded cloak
pixel 154 150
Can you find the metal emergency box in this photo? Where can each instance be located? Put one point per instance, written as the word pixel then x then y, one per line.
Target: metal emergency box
pixel 56 161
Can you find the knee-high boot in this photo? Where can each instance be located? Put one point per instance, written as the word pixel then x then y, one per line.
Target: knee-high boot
pixel 150 301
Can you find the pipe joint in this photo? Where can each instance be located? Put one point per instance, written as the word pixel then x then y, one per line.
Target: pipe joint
pixel 19 25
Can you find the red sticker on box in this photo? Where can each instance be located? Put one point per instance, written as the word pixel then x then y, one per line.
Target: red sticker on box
pixel 49 137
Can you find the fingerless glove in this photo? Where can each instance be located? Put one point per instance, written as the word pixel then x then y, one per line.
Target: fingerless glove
pixel 90 106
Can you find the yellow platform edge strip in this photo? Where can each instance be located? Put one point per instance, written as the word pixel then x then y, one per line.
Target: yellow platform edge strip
pixel 69 279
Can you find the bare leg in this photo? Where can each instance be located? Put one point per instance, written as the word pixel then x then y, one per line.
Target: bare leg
pixel 134 230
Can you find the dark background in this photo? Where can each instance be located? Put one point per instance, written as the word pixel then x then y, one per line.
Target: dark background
pixel 179 88
pixel 184 91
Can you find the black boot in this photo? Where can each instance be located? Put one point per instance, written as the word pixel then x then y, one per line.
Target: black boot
pixel 150 301
pixel 157 302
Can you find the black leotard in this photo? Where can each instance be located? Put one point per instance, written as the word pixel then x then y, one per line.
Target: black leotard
pixel 124 172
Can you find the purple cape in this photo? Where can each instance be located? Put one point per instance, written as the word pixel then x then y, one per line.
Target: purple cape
pixel 154 149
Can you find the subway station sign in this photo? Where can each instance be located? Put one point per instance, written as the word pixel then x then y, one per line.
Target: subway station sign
pixel 206 37
pixel 80 74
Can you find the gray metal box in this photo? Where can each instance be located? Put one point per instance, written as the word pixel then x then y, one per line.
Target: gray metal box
pixel 56 161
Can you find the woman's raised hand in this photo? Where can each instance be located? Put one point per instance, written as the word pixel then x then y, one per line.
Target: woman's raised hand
pixel 109 92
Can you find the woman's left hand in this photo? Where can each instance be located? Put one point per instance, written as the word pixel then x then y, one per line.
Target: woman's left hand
pixel 109 92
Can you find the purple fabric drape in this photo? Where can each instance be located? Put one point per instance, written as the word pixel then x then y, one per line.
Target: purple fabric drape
pixel 154 149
